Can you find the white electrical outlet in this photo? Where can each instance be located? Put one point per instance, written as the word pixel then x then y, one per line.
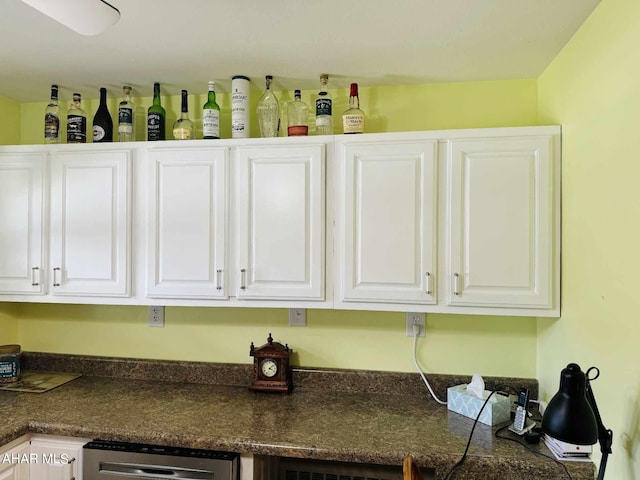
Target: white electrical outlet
pixel 298 317
pixel 156 316
pixel 415 319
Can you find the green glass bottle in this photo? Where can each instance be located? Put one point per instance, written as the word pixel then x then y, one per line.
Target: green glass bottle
pixel 211 115
pixel 156 117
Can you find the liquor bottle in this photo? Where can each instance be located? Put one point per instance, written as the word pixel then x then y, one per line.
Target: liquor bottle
pixel 102 122
pixel 52 118
pixel 240 112
pixel 297 116
pixel 268 110
pixel 324 104
pixel 76 121
pixel 353 118
pixel 126 117
pixel 211 114
pixel 156 117
pixel 183 127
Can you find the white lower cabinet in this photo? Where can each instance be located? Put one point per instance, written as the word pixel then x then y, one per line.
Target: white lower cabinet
pixel 15 461
pixel 56 458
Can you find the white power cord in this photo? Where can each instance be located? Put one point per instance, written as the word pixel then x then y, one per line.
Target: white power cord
pixel 416 331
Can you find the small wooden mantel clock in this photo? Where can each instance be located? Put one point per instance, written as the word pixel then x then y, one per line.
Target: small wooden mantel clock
pixel 271 369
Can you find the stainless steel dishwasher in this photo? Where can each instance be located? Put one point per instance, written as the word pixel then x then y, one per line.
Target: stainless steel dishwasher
pixel 104 460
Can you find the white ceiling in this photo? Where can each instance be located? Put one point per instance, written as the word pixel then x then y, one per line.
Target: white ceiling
pixel 185 43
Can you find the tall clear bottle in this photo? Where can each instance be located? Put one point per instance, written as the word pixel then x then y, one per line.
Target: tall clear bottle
pixel 268 111
pixel 211 114
pixel 297 116
pixel 52 118
pixel 156 116
pixel 76 121
pixel 183 127
pixel 102 122
pixel 324 108
pixel 126 117
pixel 353 117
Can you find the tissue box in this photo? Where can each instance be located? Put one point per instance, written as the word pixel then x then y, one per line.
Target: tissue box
pixel 459 401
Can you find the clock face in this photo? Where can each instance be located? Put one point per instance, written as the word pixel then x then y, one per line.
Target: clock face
pixel 269 368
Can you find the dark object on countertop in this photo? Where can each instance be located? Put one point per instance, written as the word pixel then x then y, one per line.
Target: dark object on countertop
pixel 271 367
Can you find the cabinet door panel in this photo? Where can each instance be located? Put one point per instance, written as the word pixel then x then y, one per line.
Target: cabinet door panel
pixel 281 224
pixel 90 216
pixel 21 223
pixel 187 209
pixel 389 222
pixel 57 460
pixel 501 222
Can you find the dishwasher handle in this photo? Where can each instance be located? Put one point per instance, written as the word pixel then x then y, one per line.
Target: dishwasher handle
pixel 145 471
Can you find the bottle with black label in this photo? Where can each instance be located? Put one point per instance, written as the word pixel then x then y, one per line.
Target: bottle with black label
pixel 156 117
pixel 52 118
pixel 76 122
pixel 324 103
pixel 102 121
pixel 126 117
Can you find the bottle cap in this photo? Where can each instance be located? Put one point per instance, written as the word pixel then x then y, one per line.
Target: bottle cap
pixel 296 93
pixel 324 77
pixel 354 90
pixel 212 85
pixel 240 77
pixel 269 77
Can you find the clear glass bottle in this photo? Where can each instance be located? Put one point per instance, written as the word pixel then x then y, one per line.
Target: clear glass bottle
pixel 52 118
pixel 156 116
pixel 268 111
pixel 211 114
pixel 102 122
pixel 297 116
pixel 76 121
pixel 324 108
pixel 126 117
pixel 183 127
pixel 353 117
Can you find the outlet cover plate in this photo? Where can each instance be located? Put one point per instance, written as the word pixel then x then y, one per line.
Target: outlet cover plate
pixel 415 318
pixel 156 316
pixel 298 317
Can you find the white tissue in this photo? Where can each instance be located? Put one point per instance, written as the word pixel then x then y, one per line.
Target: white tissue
pixel 476 388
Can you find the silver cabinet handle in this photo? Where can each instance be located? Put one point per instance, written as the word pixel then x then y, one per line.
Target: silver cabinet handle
pixel 35 271
pixel 56 284
pixel 243 279
pixel 428 275
pixel 219 279
pixel 456 284
pixel 71 462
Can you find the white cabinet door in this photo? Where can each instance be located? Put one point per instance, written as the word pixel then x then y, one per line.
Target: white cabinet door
pixel 187 223
pixel 21 223
pixel 501 222
pixel 281 222
pixel 90 223
pixel 15 463
pixel 56 459
pixel 387 211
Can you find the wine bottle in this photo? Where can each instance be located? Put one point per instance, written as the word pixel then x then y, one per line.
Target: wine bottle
pixel 353 117
pixel 324 104
pixel 156 117
pixel 268 111
pixel 211 114
pixel 126 117
pixel 76 121
pixel 102 122
pixel 183 127
pixel 52 118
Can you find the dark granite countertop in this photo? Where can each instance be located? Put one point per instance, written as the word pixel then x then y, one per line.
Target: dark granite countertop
pixel 353 424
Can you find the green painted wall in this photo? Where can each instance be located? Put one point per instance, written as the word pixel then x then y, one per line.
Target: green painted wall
pixel 343 339
pixel 8 323
pixel 592 89
pixel 9 121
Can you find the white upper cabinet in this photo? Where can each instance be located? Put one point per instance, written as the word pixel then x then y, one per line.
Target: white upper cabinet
pixel 90 223
pixel 22 192
pixel 502 212
pixel 281 222
pixel 387 214
pixel 187 223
